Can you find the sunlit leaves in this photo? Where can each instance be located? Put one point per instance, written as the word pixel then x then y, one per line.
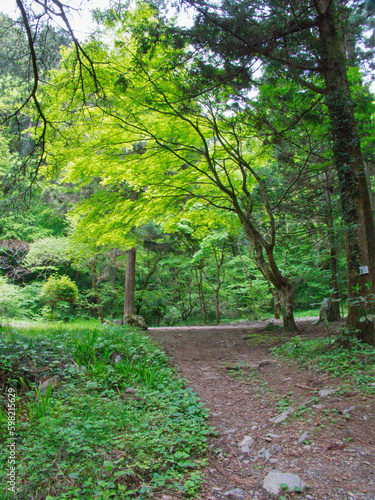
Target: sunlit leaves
pixel 145 135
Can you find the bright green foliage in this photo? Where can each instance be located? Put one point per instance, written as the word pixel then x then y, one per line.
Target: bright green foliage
pixel 183 158
pixel 86 437
pixel 170 153
pixel 32 302
pixel 59 289
pixel 149 151
pixel 10 298
pixel 20 302
pixel 45 254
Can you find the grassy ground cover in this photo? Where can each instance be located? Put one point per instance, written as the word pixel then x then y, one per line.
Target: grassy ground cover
pixel 341 357
pixel 99 414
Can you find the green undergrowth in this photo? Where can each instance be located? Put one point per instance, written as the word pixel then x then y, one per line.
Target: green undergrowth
pixel 99 414
pixel 273 335
pixel 354 363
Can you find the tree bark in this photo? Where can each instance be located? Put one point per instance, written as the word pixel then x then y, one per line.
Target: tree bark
pixel 217 306
pixel 219 264
pixel 129 282
pixel 276 302
pixel 284 288
pixel 199 278
pixel 287 306
pixel 354 192
pixel 334 313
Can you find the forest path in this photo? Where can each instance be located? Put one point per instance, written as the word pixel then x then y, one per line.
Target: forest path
pixel 244 386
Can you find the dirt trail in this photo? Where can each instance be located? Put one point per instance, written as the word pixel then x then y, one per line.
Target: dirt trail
pixel 244 386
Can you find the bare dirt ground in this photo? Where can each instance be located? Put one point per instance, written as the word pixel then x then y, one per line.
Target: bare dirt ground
pixel 244 387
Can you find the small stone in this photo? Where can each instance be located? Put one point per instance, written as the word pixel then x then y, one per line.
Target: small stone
pixel 118 358
pixel 264 453
pixel 131 390
pixel 307 447
pixel 273 460
pixel 348 410
pixel 44 385
pixel 74 367
pixel 327 392
pixel 337 444
pixel 230 431
pixel 245 444
pixel 254 427
pixel 273 480
pixel 236 493
pixel 283 416
pixel 303 438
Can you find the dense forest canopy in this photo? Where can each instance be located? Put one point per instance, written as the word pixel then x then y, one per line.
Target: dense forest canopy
pixel 230 163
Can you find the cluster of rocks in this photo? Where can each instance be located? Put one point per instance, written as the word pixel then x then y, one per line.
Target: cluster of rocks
pixel 130 319
pixel 275 483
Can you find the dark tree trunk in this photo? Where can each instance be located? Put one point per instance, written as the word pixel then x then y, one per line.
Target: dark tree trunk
pixel 129 282
pixel 272 274
pixel 202 301
pixel 287 306
pixel 217 306
pixel 354 192
pixel 276 302
pixel 334 313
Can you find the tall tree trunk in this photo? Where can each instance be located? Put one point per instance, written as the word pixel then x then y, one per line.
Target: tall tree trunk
pixel 129 282
pixel 355 200
pixel 276 302
pixel 219 264
pixel 334 313
pixel 287 305
pixel 202 301
pixel 217 306
pixel 272 273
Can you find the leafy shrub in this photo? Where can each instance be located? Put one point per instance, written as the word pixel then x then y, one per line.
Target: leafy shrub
pixel 59 289
pixel 10 299
pixel 31 300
